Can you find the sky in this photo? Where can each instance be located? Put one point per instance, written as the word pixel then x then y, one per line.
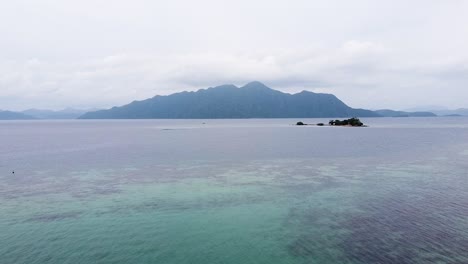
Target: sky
pixel 394 54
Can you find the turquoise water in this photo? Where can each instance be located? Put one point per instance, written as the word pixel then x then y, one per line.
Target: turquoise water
pixel 234 191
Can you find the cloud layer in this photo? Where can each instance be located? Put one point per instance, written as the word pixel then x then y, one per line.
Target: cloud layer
pixel 102 53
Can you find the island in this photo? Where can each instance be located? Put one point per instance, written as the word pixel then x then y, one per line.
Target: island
pixel 352 122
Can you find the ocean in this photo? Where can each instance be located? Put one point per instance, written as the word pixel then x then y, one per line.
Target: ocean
pixel 234 191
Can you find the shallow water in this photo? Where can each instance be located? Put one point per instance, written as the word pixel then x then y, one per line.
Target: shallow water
pixel 234 191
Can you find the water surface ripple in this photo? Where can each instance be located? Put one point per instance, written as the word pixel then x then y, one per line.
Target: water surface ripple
pixel 234 191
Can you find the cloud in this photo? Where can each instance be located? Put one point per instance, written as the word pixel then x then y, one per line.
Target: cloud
pixel 390 54
pixel 353 71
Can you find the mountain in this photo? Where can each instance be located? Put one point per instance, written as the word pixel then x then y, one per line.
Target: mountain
pixel 392 113
pixel 453 115
pixel 456 112
pixel 427 108
pixel 440 110
pixel 254 100
pixel 68 113
pixel 8 115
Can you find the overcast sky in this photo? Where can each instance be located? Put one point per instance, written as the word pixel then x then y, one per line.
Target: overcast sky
pixel 99 53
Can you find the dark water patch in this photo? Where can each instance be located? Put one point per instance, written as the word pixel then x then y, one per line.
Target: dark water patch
pixel 87 192
pixel 392 215
pixel 397 230
pixel 203 203
pixel 151 205
pixel 317 232
pixel 54 217
pixel 307 246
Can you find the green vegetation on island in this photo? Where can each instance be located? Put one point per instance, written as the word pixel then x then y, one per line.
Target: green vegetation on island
pixel 355 122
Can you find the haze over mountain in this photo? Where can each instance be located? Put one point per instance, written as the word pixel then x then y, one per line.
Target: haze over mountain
pixel 440 110
pixel 67 113
pixel 393 113
pixel 254 100
pixel 9 115
pixel 455 112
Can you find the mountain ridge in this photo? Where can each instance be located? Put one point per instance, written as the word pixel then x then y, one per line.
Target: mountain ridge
pixel 394 113
pixel 454 112
pixel 253 100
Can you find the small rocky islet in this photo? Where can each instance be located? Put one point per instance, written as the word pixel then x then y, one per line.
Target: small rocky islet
pixel 352 122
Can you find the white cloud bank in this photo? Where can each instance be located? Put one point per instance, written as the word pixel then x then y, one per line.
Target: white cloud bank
pixel 99 54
